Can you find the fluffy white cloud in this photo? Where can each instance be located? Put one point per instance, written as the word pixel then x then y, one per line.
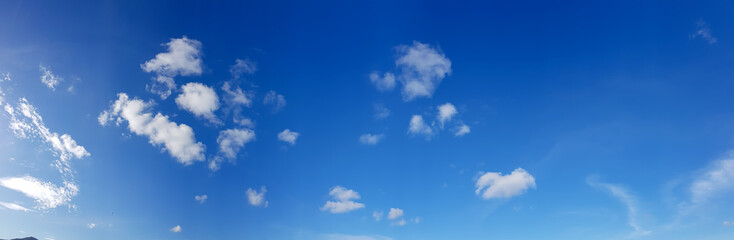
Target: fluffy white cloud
pixel 14 207
pixel 344 200
pixel 242 67
pixel 177 139
pixel 377 215
pixel 200 100
pixel 48 78
pixel 704 32
pixel 627 199
pixel 176 229
pixel 230 142
pixel 274 100
pixel 26 122
pixel 462 130
pixel 183 58
pixel 395 213
pixel 446 112
pixel 201 198
pixel 288 136
pixel 384 83
pixel 371 139
pixel 717 178
pixel 421 69
pixel 418 127
pixel 235 96
pixel 91 225
pixel 257 198
pixel 47 195
pixel 495 185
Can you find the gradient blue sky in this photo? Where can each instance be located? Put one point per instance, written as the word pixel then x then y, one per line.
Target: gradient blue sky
pixel 587 120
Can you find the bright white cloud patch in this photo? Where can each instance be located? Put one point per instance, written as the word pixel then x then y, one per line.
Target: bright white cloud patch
pixel 177 139
pixel 200 100
pixel 230 142
pixel 371 139
pixel 344 200
pixel 182 59
pixel 242 67
pixel 14 207
pixel 176 229
pixel 26 122
pixel 395 213
pixel 91 225
pixel 275 101
pixel 201 198
pixel 719 177
pixel 47 195
pixel 495 185
pixel 383 83
pixel 627 199
pixel 422 69
pixel 418 127
pixel 462 130
pixel 288 136
pixel 257 198
pixel 446 112
pixel 48 78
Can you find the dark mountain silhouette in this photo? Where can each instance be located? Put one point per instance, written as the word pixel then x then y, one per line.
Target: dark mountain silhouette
pixel 27 238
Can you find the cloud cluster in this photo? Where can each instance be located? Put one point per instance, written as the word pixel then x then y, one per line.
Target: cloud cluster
pixel 199 99
pixel 344 200
pixel 176 229
pixel 183 58
pixel 230 142
pixel 371 139
pixel 495 185
pixel 256 198
pixel 201 198
pixel 446 114
pixel 177 139
pixel 421 68
pixel 48 78
pixel 383 83
pixel 26 122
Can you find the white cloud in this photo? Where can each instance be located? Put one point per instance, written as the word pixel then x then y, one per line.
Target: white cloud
pixel 288 136
pixel 201 198
pixel 91 225
pixel 446 112
pixel 46 194
pixel 395 213
pixel 200 100
pixel 495 185
pixel 384 83
pixel 344 200
pixel 627 199
pixel 418 127
pixel 14 207
pixel 704 32
pixel 242 67
pixel 230 142
pixel 381 112
pixel 177 139
pixel 176 229
pixel 4 77
pixel 275 101
pixel 421 69
pixel 462 130
pixel 377 215
pixel 717 178
pixel 235 96
pixel 371 139
pixel 183 58
pixel 399 223
pixel 257 198
pixel 26 122
pixel 48 78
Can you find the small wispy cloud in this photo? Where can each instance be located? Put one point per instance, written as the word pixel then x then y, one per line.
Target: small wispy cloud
pixel 704 31
pixel 629 200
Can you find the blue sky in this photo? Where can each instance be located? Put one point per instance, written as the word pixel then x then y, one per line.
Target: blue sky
pixel 366 120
